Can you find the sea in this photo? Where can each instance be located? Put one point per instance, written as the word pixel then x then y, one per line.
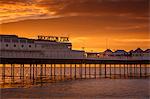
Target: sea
pixel 84 89
pixel 90 88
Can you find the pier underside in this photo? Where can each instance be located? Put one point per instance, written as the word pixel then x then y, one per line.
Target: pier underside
pixel 68 61
pixel 22 72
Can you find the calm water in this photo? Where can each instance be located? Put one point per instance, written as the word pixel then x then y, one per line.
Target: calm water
pixel 85 89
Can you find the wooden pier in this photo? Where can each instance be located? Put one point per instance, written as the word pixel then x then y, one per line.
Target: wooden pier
pixel 24 72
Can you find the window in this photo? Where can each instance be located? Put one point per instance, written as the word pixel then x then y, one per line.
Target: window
pixel 6 40
pixel 22 40
pixel 29 45
pixel 6 45
pixel 30 41
pixel 22 46
pixel 14 45
pixel 15 40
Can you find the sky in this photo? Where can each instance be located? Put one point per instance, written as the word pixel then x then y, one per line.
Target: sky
pixel 94 25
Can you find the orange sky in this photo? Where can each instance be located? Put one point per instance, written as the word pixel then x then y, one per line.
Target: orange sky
pixel 123 24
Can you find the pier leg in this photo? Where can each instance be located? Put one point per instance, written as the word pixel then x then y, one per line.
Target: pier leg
pixel 3 73
pixel 20 71
pixel 114 70
pixel 140 71
pixel 120 70
pixel 145 71
pixel 12 73
pixel 61 72
pixel 33 74
pixel 127 70
pixel 51 69
pixel 105 71
pixel 80 70
pixel 75 71
pixel 134 71
pixel 130 70
pixel 100 70
pixel 54 72
pixel 30 70
pixel 89 70
pixel 95 71
pixel 41 74
pixel 110 71
pixel 36 71
pixel 85 71
pixel 124 68
pixel 70 71
pixel 45 70
pixel 64 71
pixel 23 73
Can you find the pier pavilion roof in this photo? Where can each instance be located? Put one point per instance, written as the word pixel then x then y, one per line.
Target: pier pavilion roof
pixel 147 51
pixel 108 51
pixel 138 50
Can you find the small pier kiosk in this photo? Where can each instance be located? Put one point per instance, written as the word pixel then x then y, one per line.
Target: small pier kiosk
pixel 51 58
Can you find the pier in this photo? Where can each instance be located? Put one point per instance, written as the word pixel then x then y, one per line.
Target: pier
pixel 27 72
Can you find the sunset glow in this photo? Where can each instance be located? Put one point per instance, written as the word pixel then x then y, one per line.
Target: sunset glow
pixel 92 24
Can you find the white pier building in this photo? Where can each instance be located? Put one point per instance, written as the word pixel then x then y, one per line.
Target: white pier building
pixel 44 47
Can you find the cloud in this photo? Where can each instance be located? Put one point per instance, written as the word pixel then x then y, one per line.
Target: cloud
pixel 16 10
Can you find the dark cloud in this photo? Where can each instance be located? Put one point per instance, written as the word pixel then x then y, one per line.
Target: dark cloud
pixel 132 7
